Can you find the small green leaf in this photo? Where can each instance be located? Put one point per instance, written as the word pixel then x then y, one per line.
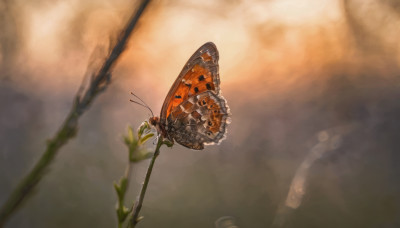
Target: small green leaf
pixel 121 187
pixel 142 128
pixel 116 186
pixel 168 143
pixel 130 138
pixel 130 134
pixel 123 184
pixel 145 138
pixel 118 190
pixel 140 218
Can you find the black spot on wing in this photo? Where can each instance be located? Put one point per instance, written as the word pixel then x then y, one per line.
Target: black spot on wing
pixel 201 77
pixel 196 90
pixel 178 96
pixel 208 86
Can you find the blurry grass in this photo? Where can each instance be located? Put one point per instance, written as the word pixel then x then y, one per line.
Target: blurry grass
pixel 82 101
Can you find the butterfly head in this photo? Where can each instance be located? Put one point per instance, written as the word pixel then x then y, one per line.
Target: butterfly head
pixel 155 121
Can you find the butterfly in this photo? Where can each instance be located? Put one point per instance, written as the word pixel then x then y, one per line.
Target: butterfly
pixel 194 113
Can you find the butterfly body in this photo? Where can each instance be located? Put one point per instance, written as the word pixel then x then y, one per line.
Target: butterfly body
pixel 194 113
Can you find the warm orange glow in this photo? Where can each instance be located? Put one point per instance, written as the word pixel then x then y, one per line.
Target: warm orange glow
pixel 289 69
pixel 270 45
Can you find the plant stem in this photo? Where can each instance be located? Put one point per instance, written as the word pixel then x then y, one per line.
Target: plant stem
pixel 120 203
pixel 128 172
pixel 69 128
pixel 139 201
pixel 67 131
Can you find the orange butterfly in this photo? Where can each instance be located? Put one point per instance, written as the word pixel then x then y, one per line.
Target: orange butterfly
pixel 194 113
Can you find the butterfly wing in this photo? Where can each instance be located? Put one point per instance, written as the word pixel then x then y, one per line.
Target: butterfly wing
pixel 194 113
pixel 200 120
pixel 199 74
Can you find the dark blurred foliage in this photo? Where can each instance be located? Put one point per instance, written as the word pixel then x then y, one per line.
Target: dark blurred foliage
pixel 285 78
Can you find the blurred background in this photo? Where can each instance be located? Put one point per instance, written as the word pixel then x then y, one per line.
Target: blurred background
pixel 294 73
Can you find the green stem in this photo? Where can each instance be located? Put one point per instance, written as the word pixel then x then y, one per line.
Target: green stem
pixel 120 202
pixel 67 131
pixel 139 201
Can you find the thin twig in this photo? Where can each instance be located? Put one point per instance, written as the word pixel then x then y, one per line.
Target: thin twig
pixel 69 128
pixel 139 201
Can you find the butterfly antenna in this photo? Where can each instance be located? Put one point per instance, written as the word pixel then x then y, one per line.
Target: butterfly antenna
pixel 141 104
